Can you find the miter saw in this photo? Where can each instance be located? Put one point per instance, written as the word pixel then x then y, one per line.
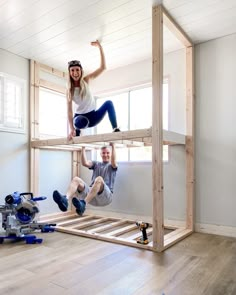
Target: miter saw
pixel 18 218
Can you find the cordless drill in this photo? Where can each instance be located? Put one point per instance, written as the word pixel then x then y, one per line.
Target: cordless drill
pixel 142 227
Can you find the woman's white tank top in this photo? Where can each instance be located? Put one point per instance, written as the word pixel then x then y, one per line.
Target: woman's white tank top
pixel 85 105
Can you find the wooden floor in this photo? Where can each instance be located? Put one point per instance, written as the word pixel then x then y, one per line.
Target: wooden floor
pixel 67 264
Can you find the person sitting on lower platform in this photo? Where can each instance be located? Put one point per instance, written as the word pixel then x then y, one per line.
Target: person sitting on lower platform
pixel 100 191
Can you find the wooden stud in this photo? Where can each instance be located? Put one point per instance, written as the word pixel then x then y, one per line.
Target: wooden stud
pixel 34 153
pixel 157 165
pixel 190 138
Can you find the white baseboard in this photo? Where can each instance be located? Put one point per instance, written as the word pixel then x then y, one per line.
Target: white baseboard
pixel 229 231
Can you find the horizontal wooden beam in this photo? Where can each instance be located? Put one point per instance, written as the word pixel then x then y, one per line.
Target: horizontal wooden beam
pixel 176 236
pixel 127 138
pixel 52 86
pixel 106 137
pixel 106 238
pixel 53 71
pixel 177 31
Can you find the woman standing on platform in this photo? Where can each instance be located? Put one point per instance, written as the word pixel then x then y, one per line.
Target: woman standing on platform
pixel 79 92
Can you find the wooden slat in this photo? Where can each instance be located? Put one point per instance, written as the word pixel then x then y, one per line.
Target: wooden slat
pixel 71 221
pixel 107 226
pixel 56 219
pixel 90 223
pixel 172 234
pixel 48 216
pixel 173 137
pixel 123 230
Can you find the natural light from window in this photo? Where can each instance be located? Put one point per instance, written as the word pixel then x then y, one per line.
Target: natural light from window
pixel 134 111
pixel 12 103
pixel 52 114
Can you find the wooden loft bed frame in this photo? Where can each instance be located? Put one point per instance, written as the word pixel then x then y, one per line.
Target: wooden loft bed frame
pixel 124 230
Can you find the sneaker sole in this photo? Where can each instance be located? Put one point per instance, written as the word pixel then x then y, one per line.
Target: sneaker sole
pixel 57 199
pixel 76 203
pixel 78 212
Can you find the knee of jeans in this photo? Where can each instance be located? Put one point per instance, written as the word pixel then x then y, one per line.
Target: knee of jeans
pixel 109 103
pixel 81 122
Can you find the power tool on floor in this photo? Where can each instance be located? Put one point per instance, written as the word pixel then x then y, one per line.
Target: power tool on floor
pixel 142 227
pixel 18 218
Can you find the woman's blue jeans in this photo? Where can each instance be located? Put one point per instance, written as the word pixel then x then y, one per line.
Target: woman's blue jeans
pixel 92 118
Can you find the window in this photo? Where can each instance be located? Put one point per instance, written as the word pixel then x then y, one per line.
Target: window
pixel 12 103
pixel 134 111
pixel 52 114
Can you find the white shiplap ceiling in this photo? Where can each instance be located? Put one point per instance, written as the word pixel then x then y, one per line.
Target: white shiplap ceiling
pixel 56 31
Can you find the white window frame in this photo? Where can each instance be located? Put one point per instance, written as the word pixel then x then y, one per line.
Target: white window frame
pixel 49 135
pixel 4 124
pixel 137 87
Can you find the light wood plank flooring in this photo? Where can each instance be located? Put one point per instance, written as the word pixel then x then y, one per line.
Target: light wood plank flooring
pixel 67 264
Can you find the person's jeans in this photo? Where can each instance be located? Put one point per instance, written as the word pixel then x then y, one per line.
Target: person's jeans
pixel 92 118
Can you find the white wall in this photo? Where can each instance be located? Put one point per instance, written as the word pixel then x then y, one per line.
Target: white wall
pixel 55 174
pixel 215 132
pixel 14 149
pixel 133 187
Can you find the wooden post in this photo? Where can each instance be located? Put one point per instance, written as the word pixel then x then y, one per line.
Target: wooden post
pixel 75 163
pixel 34 128
pixel 189 138
pixel 157 163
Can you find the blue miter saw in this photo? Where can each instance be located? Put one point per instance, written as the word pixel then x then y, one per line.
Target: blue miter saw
pixel 18 218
